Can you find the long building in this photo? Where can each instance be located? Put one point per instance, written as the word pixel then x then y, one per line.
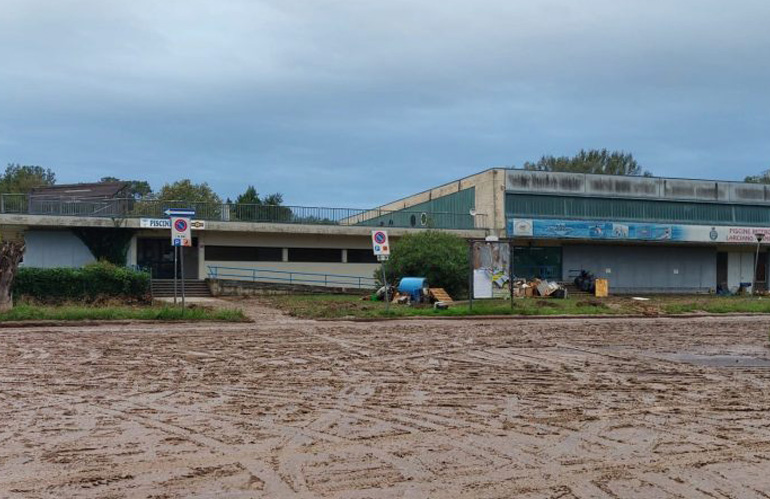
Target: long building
pixel 644 234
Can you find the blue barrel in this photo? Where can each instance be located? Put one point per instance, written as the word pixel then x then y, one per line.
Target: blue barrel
pixel 413 287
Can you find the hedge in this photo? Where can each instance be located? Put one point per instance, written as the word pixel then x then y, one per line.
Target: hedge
pixel 440 257
pixel 93 282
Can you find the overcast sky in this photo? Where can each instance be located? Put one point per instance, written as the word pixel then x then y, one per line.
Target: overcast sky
pixel 358 102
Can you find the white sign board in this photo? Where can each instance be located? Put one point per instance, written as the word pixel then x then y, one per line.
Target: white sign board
pixel 180 231
pixel 380 243
pixel 165 223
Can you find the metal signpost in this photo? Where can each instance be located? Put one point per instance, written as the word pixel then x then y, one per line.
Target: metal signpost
pixel 381 248
pixel 759 236
pixel 181 237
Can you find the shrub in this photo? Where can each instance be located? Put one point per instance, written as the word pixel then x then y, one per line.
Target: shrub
pixel 96 281
pixel 440 257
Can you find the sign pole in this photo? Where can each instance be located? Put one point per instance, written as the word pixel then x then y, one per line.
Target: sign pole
pixel 181 259
pixel 181 237
pixel 381 248
pixel 385 282
pixel 175 248
pixel 470 275
pixel 759 236
pixel 510 271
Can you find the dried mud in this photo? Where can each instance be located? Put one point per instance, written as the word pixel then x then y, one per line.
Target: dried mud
pixel 287 408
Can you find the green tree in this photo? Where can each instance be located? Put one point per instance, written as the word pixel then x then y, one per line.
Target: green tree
pixel 23 178
pixel 592 161
pixel 185 190
pixel 250 207
pixel 440 257
pixel 275 199
pixel 762 178
pixel 250 196
pixel 137 189
pixel 181 194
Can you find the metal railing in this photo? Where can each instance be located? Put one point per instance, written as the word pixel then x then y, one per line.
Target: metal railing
pixel 233 212
pixel 290 277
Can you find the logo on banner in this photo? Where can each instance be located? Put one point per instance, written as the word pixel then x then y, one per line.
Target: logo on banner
pixel 522 228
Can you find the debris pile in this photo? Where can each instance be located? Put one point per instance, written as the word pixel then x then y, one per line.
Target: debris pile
pixel 413 291
pixel 537 287
pixel 586 281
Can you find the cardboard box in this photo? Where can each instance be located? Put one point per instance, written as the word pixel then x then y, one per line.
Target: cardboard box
pixel 602 288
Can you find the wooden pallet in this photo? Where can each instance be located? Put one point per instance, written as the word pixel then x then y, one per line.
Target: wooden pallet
pixel 440 295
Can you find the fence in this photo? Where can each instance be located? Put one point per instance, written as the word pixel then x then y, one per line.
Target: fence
pixel 290 277
pixel 232 212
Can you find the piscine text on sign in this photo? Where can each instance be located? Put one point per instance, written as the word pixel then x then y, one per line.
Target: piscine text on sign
pixel 380 243
pixel 180 231
pixel 165 223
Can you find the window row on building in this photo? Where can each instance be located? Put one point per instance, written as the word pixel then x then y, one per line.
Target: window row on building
pixel 634 209
pixel 275 254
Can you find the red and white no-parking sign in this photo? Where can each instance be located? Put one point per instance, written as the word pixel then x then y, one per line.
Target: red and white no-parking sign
pixel 180 231
pixel 380 243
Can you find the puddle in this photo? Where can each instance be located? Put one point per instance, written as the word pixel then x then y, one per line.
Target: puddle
pixel 719 360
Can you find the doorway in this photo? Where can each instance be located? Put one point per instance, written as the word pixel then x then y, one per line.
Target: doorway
pixel 721 272
pixel 157 255
pixel 761 275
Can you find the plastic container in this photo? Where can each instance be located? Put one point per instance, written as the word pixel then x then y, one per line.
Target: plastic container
pixel 413 286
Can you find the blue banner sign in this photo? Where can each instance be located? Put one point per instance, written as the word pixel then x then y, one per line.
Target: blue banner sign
pixel 631 231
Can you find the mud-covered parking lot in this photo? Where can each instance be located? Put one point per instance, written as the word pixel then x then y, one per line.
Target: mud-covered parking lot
pixel 285 408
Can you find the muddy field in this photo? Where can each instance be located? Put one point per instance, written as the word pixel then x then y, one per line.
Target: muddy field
pixel 285 408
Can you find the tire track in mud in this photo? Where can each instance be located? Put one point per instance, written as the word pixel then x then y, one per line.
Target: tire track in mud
pixel 546 409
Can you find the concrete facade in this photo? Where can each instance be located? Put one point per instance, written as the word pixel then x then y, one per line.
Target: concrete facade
pixel 55 248
pixel 702 238
pixel 644 234
pixel 51 247
pixel 489 188
pixel 645 269
pixel 286 241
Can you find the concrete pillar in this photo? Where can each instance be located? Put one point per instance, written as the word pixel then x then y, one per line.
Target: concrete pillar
pixel 344 256
pixel 285 255
pixel 131 256
pixel 202 270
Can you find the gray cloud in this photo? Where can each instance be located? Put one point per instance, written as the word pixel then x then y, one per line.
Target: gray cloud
pixel 355 103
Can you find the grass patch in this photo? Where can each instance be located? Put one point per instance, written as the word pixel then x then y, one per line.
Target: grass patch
pixel 720 305
pixel 28 312
pixel 338 306
pixel 346 306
